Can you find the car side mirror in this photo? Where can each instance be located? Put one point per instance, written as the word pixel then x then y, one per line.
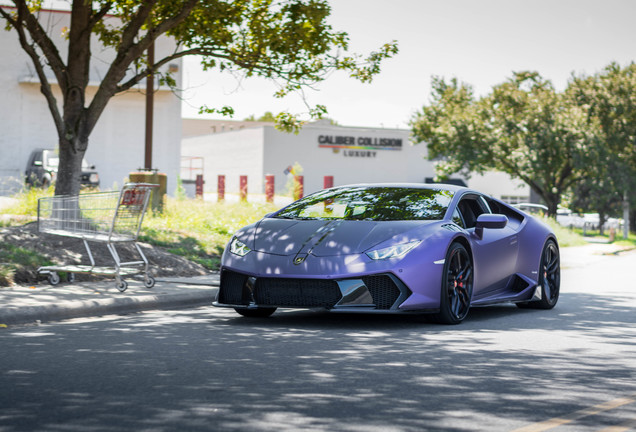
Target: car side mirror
pixel 490 221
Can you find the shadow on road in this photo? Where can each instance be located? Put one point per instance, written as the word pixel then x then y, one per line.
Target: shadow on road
pixel 209 369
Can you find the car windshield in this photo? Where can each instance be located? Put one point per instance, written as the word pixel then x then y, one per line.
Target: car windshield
pixel 54 163
pixel 371 203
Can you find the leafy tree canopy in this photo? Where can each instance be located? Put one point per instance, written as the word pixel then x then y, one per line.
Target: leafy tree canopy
pixel 609 98
pixel 287 41
pixel 266 117
pixel 522 128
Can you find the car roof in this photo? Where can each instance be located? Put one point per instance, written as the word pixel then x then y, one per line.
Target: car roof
pixel 437 186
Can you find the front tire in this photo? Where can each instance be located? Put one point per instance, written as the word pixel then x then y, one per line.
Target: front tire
pixel 261 312
pixel 457 286
pixel 549 278
pixel 122 285
pixel 54 278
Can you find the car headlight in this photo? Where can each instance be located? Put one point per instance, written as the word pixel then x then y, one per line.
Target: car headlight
pixel 392 251
pixel 239 248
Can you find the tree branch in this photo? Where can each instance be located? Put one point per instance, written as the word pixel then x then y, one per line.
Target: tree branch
pixel 39 36
pixel 128 51
pixel 99 15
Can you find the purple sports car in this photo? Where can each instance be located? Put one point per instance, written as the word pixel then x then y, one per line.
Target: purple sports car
pixel 391 248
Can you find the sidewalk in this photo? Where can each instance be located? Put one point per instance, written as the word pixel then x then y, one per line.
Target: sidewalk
pixel 581 256
pixel 44 302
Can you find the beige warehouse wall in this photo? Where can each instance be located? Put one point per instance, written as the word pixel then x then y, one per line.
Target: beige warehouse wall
pixel 231 154
pixel 116 146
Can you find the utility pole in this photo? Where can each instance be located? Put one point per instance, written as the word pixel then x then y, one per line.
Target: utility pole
pixel 625 215
pixel 150 92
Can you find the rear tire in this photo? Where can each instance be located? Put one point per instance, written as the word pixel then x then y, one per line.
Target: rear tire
pixel 549 278
pixel 261 312
pixel 457 286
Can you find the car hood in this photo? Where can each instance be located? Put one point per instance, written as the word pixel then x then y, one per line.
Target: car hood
pixel 329 237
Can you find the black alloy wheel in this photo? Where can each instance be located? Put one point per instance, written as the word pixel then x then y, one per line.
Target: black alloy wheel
pixel 457 286
pixel 549 278
pixel 260 312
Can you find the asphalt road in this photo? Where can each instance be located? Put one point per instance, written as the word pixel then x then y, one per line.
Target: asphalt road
pixel 503 369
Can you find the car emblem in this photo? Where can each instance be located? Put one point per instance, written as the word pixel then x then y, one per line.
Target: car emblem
pixel 299 259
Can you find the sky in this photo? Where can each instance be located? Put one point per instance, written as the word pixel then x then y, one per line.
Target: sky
pixel 480 42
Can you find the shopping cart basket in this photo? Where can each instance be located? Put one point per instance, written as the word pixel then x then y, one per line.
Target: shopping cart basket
pixel 103 217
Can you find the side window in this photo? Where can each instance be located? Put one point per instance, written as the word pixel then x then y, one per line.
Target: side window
pixel 494 207
pixel 484 204
pixel 457 219
pixel 470 207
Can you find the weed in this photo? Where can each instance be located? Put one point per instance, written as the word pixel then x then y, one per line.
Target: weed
pixel 7 273
pixel 26 203
pixel 14 259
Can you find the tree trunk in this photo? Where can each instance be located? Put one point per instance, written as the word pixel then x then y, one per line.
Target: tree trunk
pixel 601 221
pixel 552 208
pixel 70 168
pixel 552 200
pixel 626 217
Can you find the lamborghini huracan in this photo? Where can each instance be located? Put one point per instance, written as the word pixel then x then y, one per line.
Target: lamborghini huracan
pixel 391 248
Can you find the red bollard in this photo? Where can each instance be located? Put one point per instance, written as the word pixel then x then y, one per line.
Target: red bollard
pixel 243 188
pixel 327 182
pixel 299 187
pixel 198 183
pixel 220 188
pixel 269 188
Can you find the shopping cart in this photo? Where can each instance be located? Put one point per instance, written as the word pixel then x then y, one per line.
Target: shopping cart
pixel 103 217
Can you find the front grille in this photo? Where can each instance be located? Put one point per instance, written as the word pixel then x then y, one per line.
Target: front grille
pixel 231 290
pixel 297 292
pixel 306 293
pixel 278 291
pixel 383 290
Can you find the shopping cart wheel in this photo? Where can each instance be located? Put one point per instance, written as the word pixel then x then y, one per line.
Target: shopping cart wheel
pixel 122 285
pixel 54 278
pixel 70 277
pixel 149 281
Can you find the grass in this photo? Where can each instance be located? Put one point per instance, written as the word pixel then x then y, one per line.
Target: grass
pixel 13 258
pixel 565 236
pixel 26 203
pixel 199 230
pixel 575 237
pixel 629 242
pixel 194 229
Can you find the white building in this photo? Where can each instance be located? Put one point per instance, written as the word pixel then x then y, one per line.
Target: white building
pixel 116 146
pixel 349 154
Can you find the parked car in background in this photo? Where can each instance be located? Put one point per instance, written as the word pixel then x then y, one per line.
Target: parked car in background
pixel 41 170
pixel 565 217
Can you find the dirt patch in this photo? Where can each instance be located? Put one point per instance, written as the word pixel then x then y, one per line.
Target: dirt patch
pixel 70 251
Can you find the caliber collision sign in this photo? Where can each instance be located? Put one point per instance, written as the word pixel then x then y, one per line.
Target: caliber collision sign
pixel 358 146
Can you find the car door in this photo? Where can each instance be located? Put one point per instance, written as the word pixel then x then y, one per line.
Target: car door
pixel 495 254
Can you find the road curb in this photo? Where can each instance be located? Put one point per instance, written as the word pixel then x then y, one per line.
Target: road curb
pixel 110 306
